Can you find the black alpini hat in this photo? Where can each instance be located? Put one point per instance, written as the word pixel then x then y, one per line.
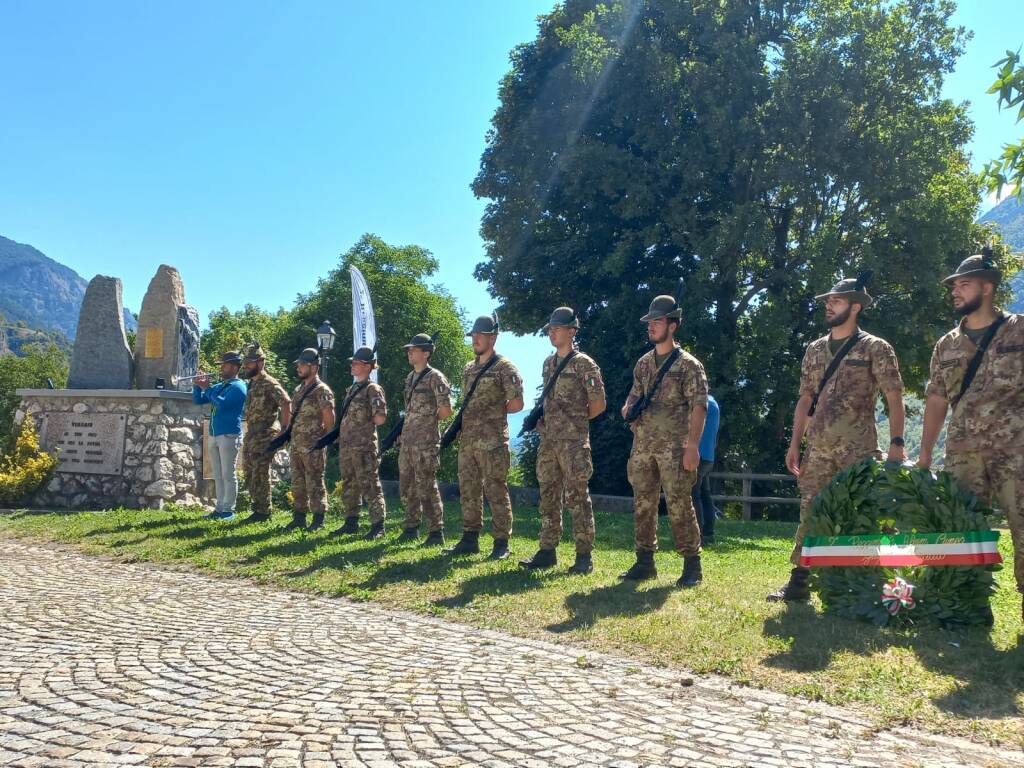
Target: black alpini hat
pixel 364 355
pixel 662 306
pixel 484 324
pixel 852 289
pixel 231 357
pixel 979 265
pixel 562 317
pixel 309 355
pixel 423 341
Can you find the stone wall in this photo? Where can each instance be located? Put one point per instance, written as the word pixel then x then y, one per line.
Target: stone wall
pixel 162 449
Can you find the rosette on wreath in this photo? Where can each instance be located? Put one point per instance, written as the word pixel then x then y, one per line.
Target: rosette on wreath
pixel 887 500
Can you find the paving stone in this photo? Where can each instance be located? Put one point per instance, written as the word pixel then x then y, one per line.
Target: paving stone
pixel 117 664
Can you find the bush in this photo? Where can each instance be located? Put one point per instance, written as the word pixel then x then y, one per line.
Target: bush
pixel 26 467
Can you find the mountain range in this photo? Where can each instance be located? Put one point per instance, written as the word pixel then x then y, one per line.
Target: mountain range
pixel 1008 217
pixel 39 297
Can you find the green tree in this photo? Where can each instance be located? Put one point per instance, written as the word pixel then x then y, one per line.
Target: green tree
pixel 757 149
pixel 29 370
pixel 1008 170
pixel 404 305
pixel 236 330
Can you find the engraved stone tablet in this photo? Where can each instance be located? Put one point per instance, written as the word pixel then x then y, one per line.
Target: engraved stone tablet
pixel 88 443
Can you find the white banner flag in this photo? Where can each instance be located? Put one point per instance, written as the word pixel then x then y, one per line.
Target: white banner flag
pixel 364 328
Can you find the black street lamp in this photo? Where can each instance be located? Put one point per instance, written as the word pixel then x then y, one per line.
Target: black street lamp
pixel 325 337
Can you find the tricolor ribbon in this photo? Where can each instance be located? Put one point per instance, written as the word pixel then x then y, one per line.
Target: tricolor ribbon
pixel 896 594
pixel 909 549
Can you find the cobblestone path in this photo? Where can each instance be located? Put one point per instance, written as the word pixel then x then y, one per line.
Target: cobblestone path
pixel 109 664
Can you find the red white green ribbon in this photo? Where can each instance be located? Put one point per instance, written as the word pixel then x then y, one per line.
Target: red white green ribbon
pixel 965 548
pixel 896 594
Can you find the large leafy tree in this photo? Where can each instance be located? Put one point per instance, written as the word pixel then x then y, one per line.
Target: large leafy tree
pixel 758 149
pixel 29 370
pixel 1008 169
pixel 236 330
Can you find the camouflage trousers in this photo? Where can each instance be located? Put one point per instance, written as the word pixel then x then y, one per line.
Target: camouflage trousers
pixel 817 468
pixel 997 477
pixel 308 488
pixel 256 468
pixel 649 473
pixel 483 470
pixel 417 485
pixel 564 468
pixel 361 480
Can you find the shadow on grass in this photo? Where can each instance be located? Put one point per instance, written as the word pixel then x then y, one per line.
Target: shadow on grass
pixel 508 581
pixel 988 680
pixel 622 599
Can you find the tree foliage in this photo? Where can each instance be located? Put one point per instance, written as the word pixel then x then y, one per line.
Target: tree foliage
pixel 236 330
pixel 757 149
pixel 29 370
pixel 1008 170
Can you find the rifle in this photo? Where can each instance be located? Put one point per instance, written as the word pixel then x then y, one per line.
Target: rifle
pixel 331 436
pixel 537 412
pixel 456 426
pixel 285 436
pixel 643 402
pixel 396 431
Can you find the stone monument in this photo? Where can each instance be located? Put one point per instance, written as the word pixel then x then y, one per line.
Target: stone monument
pixel 101 358
pixel 167 344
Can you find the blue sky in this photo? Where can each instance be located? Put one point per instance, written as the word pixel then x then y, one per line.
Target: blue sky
pixel 249 144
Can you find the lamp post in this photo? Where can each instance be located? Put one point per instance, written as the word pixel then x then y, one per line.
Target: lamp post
pixel 325 337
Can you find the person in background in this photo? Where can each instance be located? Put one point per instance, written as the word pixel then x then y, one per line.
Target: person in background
pixel 702 501
pixel 228 401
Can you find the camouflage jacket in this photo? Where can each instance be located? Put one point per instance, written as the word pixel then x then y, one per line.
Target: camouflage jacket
pixel 566 409
pixel 357 428
pixel 991 413
pixel 307 425
pixel 266 398
pixel 664 425
pixel 845 415
pixel 432 392
pixel 484 420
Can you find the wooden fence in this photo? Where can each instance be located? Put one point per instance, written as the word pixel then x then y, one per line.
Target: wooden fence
pixel 746 497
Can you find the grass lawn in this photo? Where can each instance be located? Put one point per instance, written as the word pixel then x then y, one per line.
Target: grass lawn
pixel 967 682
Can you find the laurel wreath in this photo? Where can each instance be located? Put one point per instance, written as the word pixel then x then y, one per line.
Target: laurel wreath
pixel 871 498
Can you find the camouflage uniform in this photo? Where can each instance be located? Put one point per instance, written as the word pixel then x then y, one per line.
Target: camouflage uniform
pixel 307 468
pixel 266 398
pixel 417 455
pixel 659 438
pixel 483 446
pixel 564 464
pixel 986 428
pixel 842 430
pixel 357 453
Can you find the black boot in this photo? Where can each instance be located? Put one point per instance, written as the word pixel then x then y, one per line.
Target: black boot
pixel 469 544
pixel 583 565
pixel 434 539
pixel 409 534
pixel 643 569
pixel 545 558
pixel 256 517
pixel 796 591
pixel 298 521
pixel 376 531
pixel 318 522
pixel 351 526
pixel 500 550
pixel 692 574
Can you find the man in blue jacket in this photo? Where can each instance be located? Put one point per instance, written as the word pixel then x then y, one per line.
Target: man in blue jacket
pixel 228 401
pixel 702 501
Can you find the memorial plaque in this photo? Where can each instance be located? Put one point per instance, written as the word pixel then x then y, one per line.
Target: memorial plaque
pixel 154 346
pixel 87 443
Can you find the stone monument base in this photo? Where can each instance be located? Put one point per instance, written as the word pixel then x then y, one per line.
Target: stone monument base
pixel 120 447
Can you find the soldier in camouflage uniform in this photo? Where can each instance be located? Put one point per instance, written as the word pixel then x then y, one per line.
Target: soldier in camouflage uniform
pixel 364 409
pixel 484 456
pixel 985 435
pixel 666 438
pixel 267 401
pixel 312 415
pixel 428 400
pixel 841 431
pixel 564 464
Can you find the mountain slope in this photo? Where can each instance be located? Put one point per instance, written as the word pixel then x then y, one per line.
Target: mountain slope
pixel 38 292
pixel 1008 217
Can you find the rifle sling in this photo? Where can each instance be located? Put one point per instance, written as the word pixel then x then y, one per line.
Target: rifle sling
pixel 975 364
pixel 472 389
pixel 662 371
pixel 554 379
pixel 833 366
